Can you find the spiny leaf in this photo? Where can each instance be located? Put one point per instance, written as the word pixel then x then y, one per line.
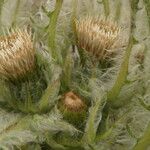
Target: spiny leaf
pixel 52 29
pixel 8 119
pixel 15 138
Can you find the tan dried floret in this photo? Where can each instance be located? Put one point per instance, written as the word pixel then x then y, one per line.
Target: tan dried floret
pixel 16 54
pixel 73 103
pixel 97 36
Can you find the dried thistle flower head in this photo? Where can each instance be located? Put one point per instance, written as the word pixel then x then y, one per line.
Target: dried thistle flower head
pixel 73 103
pixel 96 36
pixel 16 54
pixel 73 108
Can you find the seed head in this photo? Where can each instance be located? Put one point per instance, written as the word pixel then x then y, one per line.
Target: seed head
pixel 96 36
pixel 72 102
pixel 16 54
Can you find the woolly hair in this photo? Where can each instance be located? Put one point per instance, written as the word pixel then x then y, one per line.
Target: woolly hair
pixel 97 36
pixel 72 102
pixel 16 54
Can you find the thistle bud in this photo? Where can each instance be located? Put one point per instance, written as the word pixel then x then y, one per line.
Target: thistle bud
pixel 16 54
pixel 73 109
pixel 96 36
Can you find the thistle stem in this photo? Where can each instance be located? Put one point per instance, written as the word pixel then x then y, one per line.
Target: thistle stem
pixel 147 6
pixel 52 28
pixel 144 142
pixel 118 11
pixel 122 75
pixel 106 8
pixel 15 13
pixel 1 6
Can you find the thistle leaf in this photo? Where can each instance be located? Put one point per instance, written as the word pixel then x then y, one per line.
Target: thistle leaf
pixel 122 75
pixel 15 138
pixel 143 142
pixel 50 96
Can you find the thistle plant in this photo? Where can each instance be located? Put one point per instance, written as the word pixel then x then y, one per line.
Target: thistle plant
pixel 74 75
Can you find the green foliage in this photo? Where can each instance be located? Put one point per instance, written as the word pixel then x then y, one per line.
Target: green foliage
pixel 52 28
pixel 21 129
pixel 122 75
pixel 29 114
pixel 95 116
pixel 143 143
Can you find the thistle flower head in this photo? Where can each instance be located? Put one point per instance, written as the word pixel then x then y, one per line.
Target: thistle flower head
pixel 73 103
pixel 96 36
pixel 16 54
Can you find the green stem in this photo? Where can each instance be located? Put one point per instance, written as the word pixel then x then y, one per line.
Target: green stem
pixel 15 13
pixel 1 6
pixel 147 5
pixel 93 122
pixel 118 11
pixel 106 8
pixel 52 28
pixel 144 142
pixel 122 75
pixel 73 17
